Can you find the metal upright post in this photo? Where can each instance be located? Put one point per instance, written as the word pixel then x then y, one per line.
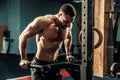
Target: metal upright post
pixel 87 40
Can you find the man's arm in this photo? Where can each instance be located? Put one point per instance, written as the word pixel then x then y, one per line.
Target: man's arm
pixel 67 44
pixel 23 39
pixel 31 30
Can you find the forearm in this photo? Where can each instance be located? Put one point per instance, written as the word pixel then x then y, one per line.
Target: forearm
pixel 22 48
pixel 67 44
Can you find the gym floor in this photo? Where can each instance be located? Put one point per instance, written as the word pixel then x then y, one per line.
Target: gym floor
pixel 9 68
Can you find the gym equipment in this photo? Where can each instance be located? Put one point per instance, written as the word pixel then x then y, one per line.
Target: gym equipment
pixel 110 43
pixel 99 35
pixel 114 50
pixel 70 62
pixel 114 69
pixel 116 55
pixel 72 67
pixel 6 42
pixel 86 72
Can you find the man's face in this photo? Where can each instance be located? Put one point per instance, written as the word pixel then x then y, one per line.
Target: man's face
pixel 66 19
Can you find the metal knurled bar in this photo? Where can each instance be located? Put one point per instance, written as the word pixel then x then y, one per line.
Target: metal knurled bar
pixel 87 40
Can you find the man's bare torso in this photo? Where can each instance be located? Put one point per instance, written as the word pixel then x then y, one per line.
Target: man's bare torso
pixel 49 40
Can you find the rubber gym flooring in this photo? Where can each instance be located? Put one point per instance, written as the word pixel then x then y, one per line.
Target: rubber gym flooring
pixel 9 69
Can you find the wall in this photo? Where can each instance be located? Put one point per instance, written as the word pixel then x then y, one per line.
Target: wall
pixel 14 23
pixel 3 20
pixel 3 12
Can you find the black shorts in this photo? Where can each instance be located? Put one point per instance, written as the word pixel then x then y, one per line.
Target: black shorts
pixel 45 73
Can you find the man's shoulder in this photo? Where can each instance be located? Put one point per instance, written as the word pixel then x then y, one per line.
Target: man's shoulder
pixel 49 15
pixel 42 18
pixel 52 17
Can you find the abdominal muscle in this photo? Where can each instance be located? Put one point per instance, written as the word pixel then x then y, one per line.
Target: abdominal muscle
pixel 47 51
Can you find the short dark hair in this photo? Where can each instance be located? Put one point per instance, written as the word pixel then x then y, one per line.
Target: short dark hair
pixel 68 9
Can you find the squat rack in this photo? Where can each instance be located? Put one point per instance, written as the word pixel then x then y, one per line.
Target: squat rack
pixel 87 40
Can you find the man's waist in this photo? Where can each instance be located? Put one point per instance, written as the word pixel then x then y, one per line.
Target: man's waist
pixel 42 62
pixel 48 57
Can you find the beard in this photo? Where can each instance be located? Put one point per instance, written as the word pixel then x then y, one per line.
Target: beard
pixel 60 24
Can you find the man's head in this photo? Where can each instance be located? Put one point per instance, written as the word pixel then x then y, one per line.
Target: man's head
pixel 68 9
pixel 67 13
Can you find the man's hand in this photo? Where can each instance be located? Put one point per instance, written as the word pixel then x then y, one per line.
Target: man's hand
pixel 69 57
pixel 24 63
